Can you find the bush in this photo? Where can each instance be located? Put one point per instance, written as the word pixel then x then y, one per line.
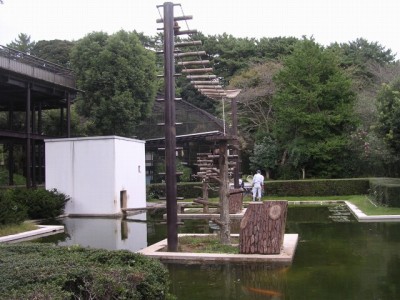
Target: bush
pixel 317 187
pixel 44 271
pixel 385 191
pixel 40 203
pixel 11 212
pixel 184 189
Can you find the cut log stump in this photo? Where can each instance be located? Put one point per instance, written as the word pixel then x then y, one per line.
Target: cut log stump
pixel 235 201
pixel 262 228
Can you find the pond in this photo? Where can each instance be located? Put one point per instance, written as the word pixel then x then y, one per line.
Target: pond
pixel 336 258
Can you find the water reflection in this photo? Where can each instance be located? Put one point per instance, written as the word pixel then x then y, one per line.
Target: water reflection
pixel 336 258
pixel 106 233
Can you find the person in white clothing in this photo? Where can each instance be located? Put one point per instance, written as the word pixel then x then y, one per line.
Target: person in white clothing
pixel 258 185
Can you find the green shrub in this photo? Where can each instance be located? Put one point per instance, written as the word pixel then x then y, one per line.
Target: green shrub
pixel 40 203
pixel 11 212
pixel 44 271
pixel 385 191
pixel 184 189
pixel 317 187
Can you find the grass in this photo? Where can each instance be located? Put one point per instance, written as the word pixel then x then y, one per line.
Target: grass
pixel 361 201
pixel 16 228
pixel 207 244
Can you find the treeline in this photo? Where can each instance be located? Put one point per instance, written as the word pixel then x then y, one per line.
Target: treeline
pixel 305 111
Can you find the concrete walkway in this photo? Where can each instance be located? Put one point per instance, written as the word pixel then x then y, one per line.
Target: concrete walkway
pixel 44 230
pixel 158 251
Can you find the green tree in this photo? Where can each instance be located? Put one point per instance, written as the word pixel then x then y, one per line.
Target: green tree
pixel 255 111
pixel 22 43
pixel 118 77
pixel 389 115
pixel 265 155
pixel 314 111
pixel 56 51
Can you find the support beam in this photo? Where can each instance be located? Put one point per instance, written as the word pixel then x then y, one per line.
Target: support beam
pixel 170 130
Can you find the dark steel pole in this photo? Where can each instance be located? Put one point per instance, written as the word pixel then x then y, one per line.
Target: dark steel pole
pixel 235 143
pixel 68 115
pixel 170 130
pixel 28 136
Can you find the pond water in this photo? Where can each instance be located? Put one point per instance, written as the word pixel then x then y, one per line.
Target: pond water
pixel 336 258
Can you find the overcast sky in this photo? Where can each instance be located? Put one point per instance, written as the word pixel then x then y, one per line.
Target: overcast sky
pixel 326 20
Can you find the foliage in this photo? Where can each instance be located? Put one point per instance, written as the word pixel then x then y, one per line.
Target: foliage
pixel 385 191
pixel 56 51
pixel 44 271
pixel 22 43
pixel 389 115
pixel 51 125
pixel 11 211
pixel 187 190
pixel 317 187
pixel 118 76
pixel 265 155
pixel 255 111
pixel 314 110
pixel 40 203
pixel 275 47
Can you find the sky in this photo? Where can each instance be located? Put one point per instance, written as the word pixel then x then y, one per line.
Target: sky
pixel 327 21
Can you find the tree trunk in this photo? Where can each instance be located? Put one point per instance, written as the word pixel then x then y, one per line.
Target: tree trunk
pixel 225 233
pixel 262 228
pixel 235 201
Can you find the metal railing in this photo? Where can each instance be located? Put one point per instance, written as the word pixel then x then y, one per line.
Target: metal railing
pixel 28 65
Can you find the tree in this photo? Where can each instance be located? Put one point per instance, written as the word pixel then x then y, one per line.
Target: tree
pixel 389 115
pixel 255 100
pixel 22 43
pixel 56 51
pixel 118 77
pixel 314 110
pixel 265 155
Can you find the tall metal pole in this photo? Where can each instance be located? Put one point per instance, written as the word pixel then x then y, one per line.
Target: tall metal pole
pixel 235 143
pixel 28 136
pixel 170 130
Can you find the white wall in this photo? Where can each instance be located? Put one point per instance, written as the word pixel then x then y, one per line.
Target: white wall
pixel 93 171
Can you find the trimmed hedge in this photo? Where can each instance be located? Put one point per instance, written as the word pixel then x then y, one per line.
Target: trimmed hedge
pixel 385 191
pixel 317 187
pixel 184 189
pixel 45 271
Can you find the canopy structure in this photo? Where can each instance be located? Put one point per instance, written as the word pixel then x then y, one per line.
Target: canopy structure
pixel 28 87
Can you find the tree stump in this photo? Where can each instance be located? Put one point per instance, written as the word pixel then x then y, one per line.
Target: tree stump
pixel 262 228
pixel 235 201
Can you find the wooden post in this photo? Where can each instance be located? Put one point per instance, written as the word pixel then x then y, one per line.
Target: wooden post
pixel 235 201
pixel 262 228
pixel 225 230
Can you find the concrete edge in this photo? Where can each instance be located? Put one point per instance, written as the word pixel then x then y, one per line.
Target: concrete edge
pixel 286 256
pixel 362 217
pixel 32 234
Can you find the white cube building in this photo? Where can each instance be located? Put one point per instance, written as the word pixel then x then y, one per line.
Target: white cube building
pixel 100 174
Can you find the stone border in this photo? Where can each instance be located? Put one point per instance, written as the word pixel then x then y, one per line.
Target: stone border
pixel 44 230
pixel 286 256
pixel 362 217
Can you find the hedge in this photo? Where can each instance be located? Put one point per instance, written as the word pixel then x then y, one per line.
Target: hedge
pixel 316 187
pixel 45 271
pixel 184 189
pixel 385 191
